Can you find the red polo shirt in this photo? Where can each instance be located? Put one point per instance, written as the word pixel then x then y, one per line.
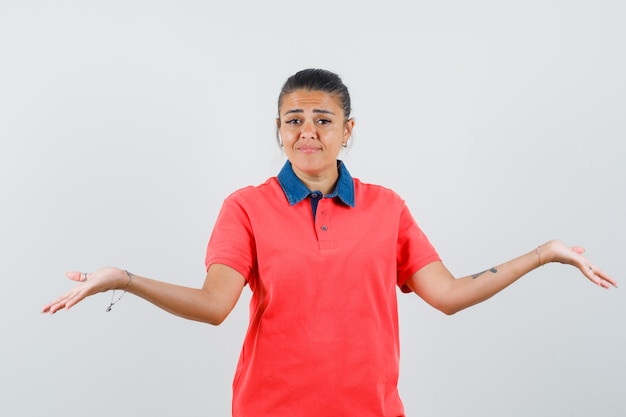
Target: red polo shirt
pixel 323 333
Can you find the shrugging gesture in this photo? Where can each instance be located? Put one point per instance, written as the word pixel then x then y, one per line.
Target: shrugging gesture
pixel 323 254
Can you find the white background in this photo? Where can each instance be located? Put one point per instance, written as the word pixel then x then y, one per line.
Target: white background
pixel 124 124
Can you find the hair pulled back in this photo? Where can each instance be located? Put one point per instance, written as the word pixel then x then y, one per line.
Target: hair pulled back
pixel 313 79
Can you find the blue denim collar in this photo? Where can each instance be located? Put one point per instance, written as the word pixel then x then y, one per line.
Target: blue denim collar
pixel 296 191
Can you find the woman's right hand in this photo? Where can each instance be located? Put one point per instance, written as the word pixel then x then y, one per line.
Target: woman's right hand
pixel 209 304
pixel 102 280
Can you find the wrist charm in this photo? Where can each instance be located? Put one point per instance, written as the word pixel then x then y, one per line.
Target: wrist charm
pixel 130 279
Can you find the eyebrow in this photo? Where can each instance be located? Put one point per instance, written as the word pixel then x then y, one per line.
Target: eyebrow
pixel 314 111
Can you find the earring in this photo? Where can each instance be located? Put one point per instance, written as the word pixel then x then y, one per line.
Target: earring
pixel 345 144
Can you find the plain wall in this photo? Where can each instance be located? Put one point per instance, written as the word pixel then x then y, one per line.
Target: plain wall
pixel 124 124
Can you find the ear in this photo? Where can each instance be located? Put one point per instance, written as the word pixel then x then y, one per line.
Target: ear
pixel 278 123
pixel 347 130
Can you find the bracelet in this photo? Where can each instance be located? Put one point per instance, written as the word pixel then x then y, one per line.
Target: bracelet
pixel 130 280
pixel 539 255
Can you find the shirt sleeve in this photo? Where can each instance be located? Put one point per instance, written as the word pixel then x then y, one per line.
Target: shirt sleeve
pixel 232 240
pixel 414 249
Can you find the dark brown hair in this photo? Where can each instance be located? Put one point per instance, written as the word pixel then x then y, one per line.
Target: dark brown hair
pixel 318 80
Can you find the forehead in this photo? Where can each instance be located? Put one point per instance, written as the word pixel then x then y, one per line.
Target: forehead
pixel 310 99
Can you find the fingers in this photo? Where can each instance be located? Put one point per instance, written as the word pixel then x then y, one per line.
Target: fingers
pixel 598 277
pixel 594 277
pixel 63 302
pixel 606 281
pixel 70 298
pixel 77 276
pixel 573 255
pixel 56 305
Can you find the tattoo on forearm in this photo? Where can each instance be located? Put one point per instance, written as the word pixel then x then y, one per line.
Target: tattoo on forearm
pixel 492 270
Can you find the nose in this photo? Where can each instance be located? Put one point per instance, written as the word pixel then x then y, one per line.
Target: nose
pixel 308 130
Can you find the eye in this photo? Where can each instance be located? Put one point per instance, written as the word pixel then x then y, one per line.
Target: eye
pixel 323 121
pixel 293 121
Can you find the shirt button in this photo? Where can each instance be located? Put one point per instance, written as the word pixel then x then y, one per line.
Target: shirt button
pixel 324 228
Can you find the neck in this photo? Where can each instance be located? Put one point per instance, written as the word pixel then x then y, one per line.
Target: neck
pixel 323 182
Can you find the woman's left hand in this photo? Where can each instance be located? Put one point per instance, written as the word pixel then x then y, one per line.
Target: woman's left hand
pixel 557 251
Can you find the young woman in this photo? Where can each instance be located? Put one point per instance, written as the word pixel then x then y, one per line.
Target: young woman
pixel 323 254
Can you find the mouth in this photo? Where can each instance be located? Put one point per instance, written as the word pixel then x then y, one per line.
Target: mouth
pixel 308 149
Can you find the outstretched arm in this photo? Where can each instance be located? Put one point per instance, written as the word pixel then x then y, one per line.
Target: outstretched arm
pixel 436 285
pixel 211 303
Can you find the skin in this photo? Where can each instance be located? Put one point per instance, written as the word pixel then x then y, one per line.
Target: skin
pixel 439 288
pixel 313 128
